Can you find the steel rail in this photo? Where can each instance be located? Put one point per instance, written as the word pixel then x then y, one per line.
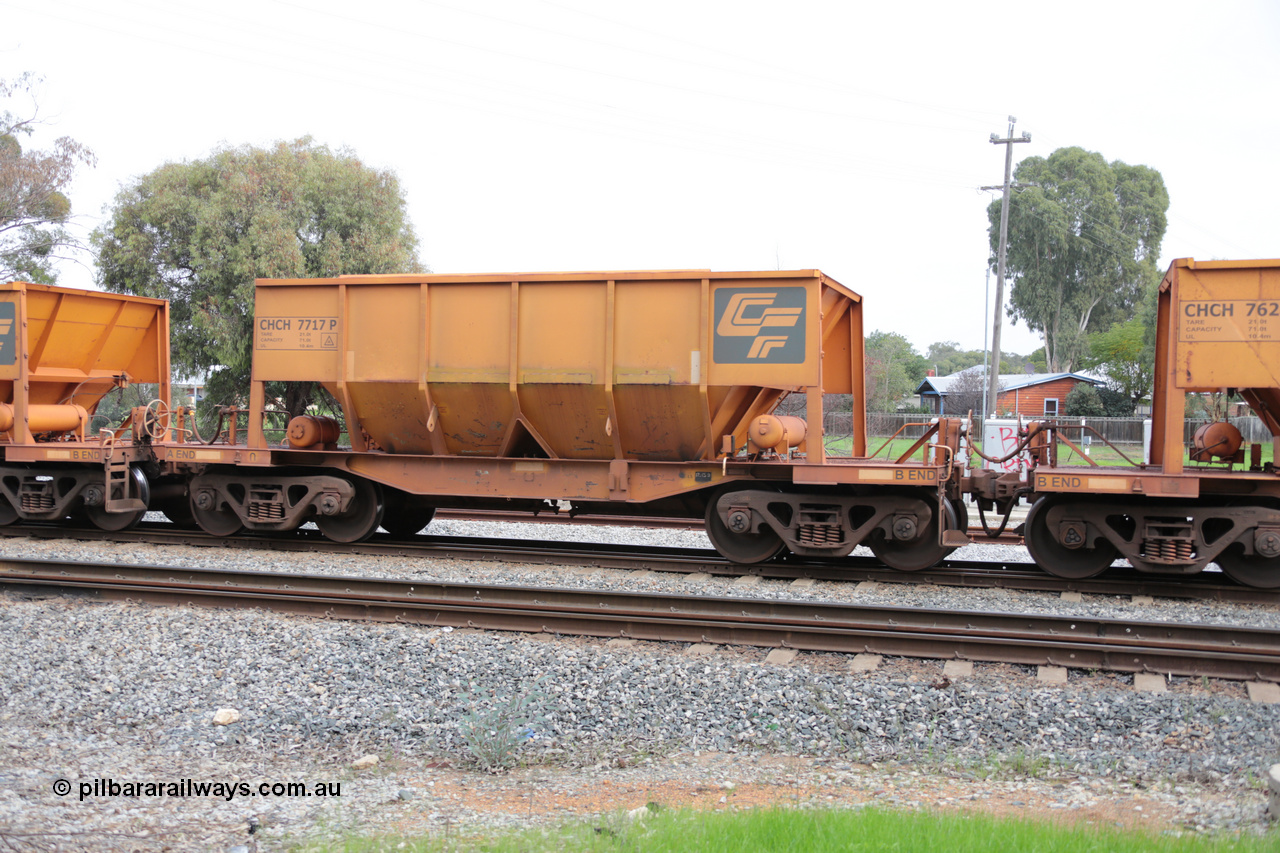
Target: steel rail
pixel 979 536
pixel 1032 639
pixel 950 572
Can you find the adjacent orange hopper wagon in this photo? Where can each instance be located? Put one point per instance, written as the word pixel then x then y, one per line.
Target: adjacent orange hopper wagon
pixel 1198 498
pixel 1218 328
pixel 61 352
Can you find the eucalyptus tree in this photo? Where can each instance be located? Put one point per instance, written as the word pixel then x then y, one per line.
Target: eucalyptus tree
pixel 1084 241
pixel 34 209
pixel 198 234
pixel 893 370
pixel 1125 353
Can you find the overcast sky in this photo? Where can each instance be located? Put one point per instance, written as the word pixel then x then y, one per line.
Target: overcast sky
pixel 534 135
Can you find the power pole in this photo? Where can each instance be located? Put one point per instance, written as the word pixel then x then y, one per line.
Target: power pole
pixel 993 377
pixel 986 300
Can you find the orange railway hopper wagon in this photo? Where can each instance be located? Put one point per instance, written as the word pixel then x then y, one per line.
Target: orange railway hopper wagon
pixel 61 352
pixel 626 393
pixel 1216 500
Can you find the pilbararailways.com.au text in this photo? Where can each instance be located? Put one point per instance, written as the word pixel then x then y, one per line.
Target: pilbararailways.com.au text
pixel 184 788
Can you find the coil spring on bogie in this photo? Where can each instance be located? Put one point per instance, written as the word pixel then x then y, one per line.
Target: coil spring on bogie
pixel 37 501
pixel 1170 550
pixel 266 511
pixel 820 535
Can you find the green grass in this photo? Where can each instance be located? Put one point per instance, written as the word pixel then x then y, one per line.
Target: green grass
pixel 814 831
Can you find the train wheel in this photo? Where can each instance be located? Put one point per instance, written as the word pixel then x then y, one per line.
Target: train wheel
pixel 115 521
pixel 178 511
pixel 362 517
pixel 8 515
pixel 916 554
pixel 1250 569
pixel 961 511
pixel 962 514
pixel 1057 559
pixel 214 521
pixel 743 548
pixel 405 516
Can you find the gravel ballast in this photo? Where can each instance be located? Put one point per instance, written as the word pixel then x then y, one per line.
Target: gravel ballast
pixel 124 692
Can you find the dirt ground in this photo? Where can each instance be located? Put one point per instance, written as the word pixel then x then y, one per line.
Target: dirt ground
pixel 712 782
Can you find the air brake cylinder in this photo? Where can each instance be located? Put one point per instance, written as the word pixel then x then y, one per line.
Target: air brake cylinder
pixel 1219 440
pixel 43 418
pixel 310 430
pixel 778 433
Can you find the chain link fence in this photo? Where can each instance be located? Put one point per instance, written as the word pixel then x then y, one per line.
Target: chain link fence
pixel 837 423
pixel 1114 430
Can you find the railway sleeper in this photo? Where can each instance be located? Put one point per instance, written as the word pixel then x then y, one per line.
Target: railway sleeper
pixel 267 502
pixel 820 525
pixel 1078 538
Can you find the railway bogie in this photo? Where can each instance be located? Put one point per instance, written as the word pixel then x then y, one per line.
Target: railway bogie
pixel 270 500
pixel 750 525
pixel 47 492
pixel 1079 537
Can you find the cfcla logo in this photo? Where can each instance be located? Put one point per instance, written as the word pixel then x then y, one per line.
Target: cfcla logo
pixel 742 318
pixel 8 340
pixel 760 325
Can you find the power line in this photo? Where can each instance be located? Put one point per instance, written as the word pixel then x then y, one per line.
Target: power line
pixel 505 98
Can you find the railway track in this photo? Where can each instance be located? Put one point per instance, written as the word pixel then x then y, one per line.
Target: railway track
pixel 951 572
pixel 977 534
pixel 1120 645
